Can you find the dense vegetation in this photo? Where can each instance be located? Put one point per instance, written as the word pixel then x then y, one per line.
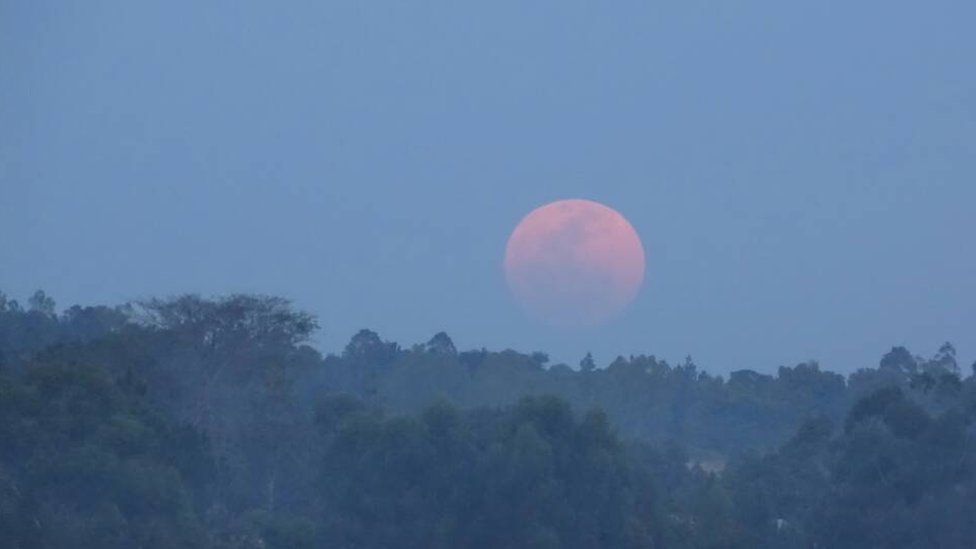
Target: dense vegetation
pixel 211 423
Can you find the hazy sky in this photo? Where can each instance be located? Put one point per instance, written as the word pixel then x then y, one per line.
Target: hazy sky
pixel 803 178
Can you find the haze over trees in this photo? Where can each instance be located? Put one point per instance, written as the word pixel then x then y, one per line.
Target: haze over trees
pixel 193 422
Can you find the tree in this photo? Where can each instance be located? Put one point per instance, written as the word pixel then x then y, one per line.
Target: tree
pixel 223 345
pixel 230 321
pixel 946 358
pixel 41 303
pixel 366 347
pixel 899 360
pixel 441 344
pixel 587 364
pixel 90 465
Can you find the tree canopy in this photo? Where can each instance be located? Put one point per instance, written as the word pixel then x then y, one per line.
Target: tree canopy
pixel 197 422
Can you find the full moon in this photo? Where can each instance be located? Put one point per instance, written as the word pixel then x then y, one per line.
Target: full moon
pixel 574 263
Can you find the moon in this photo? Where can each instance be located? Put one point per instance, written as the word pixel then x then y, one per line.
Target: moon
pixel 574 263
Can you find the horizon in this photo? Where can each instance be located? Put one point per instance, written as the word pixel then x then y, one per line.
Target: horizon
pixel 601 362
pixel 559 275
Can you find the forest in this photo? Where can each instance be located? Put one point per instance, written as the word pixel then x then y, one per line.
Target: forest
pixel 212 422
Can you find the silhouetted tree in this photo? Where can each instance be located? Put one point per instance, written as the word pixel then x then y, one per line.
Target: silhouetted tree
pixel 41 303
pixel 587 364
pixel 441 343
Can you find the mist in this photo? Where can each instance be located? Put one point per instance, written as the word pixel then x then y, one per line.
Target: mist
pixel 271 275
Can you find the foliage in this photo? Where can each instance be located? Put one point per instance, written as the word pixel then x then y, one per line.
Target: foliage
pixel 193 422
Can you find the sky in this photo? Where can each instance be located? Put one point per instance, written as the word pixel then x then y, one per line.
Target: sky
pixel 802 175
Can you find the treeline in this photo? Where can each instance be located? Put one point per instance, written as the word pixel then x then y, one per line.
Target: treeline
pixel 211 423
pixel 646 398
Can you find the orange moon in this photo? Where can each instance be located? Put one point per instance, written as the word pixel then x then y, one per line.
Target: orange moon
pixel 574 263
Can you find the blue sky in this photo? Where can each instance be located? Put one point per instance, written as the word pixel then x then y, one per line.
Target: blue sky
pixel 802 175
